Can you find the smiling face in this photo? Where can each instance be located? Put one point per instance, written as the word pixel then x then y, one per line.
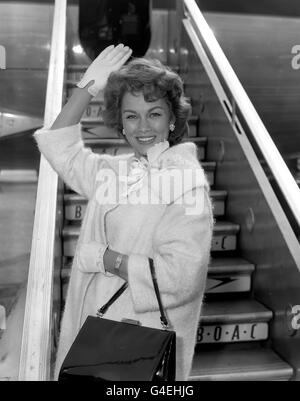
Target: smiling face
pixel 145 123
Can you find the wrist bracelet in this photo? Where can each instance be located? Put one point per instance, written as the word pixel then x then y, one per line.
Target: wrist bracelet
pixel 118 262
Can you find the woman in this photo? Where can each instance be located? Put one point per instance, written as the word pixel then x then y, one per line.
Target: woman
pixel 122 228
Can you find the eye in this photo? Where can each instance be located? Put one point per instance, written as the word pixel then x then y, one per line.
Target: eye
pixel 130 116
pixel 155 114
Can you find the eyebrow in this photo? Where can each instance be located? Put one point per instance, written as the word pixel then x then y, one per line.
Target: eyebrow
pixel 134 111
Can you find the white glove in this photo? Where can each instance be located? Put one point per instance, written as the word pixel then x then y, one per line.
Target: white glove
pixel 110 59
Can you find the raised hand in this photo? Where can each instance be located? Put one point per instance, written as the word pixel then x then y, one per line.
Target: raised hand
pixel 110 59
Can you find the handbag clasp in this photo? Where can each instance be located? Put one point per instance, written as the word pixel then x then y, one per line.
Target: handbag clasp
pixel 131 321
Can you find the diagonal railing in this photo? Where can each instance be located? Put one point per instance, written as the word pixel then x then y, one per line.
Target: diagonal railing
pixel 197 27
pixel 270 240
pixel 37 329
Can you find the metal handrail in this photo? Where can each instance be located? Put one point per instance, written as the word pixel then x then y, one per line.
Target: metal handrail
pixel 37 329
pixel 281 172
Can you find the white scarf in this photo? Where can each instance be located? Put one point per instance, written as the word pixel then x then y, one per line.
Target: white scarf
pixel 139 168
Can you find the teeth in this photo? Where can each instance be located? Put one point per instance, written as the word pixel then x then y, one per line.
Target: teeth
pixel 148 139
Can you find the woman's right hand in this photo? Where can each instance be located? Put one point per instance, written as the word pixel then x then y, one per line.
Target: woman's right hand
pixel 110 59
pixel 95 78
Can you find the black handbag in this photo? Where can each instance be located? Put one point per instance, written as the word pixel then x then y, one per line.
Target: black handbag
pixel 106 350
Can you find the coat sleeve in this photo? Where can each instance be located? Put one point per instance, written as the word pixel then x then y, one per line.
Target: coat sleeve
pixel 181 252
pixel 75 164
pixel 89 257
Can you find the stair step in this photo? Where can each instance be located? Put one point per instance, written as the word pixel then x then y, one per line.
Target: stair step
pixel 229 275
pixel 233 321
pixel 210 170
pixel 228 265
pixel 224 237
pixel 218 198
pixel 232 363
pixel 232 311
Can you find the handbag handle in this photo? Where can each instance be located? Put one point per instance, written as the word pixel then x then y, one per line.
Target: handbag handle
pixel 163 318
pixel 103 309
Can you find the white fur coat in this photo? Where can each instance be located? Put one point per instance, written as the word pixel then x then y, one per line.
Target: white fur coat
pixel 177 237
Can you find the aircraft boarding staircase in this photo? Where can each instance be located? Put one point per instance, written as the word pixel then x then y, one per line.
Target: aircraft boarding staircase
pixel 245 331
pixel 225 319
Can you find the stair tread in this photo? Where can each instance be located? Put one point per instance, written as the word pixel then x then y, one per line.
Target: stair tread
pixel 218 194
pixel 225 226
pixel 229 363
pixel 225 265
pixel 229 311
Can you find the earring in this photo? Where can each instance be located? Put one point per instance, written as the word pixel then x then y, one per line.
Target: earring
pixel 172 127
pixel 123 131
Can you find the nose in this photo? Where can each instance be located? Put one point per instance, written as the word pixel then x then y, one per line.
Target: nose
pixel 144 126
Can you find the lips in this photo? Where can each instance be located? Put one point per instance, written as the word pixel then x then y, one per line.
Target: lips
pixel 145 139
